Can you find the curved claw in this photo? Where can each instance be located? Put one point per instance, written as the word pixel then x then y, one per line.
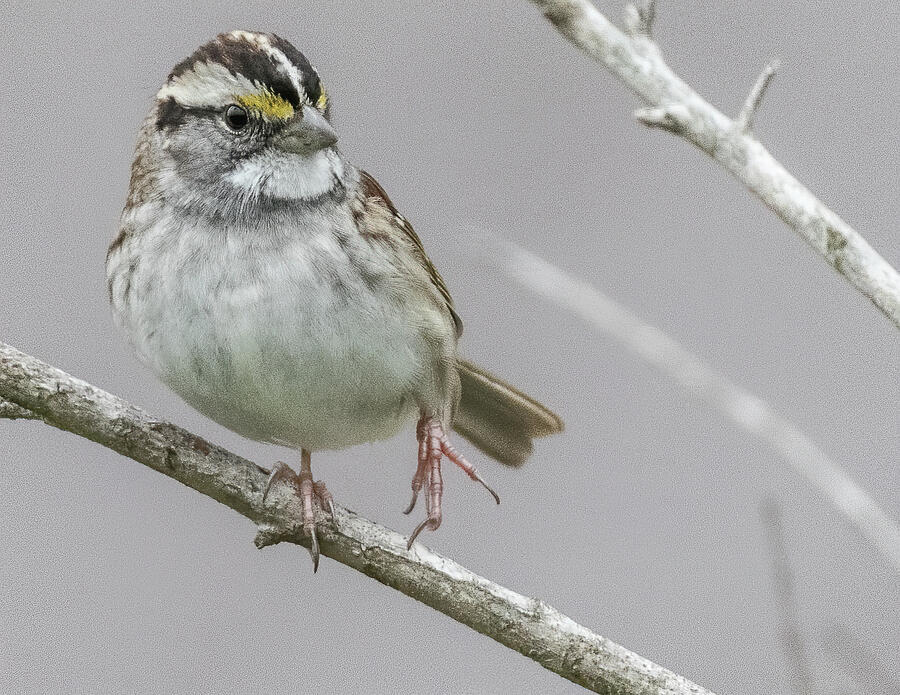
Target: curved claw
pixel 280 471
pixel 412 503
pixel 487 487
pixel 451 453
pixel 325 498
pixel 418 480
pixel 314 548
pixel 421 527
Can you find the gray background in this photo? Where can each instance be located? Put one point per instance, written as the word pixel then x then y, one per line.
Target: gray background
pixel 641 521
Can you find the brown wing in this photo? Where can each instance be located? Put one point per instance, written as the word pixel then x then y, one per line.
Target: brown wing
pixel 372 189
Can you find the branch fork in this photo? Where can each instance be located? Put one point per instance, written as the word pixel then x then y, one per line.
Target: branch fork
pixel 638 19
pixel 670 117
pixel 671 104
pixel 11 411
pixel 744 121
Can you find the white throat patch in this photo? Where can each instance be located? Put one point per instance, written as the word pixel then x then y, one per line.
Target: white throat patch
pixel 288 176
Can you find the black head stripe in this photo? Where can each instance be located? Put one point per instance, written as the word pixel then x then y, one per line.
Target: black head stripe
pixel 309 77
pixel 246 58
pixel 169 113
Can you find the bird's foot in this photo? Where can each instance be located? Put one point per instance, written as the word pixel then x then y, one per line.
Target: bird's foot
pixel 433 446
pixel 312 494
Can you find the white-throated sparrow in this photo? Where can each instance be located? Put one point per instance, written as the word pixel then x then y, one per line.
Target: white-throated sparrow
pixel 275 287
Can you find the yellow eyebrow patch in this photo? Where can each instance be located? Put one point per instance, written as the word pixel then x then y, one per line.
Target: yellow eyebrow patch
pixel 322 101
pixel 267 103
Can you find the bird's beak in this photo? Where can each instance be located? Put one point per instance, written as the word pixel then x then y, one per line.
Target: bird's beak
pixel 306 133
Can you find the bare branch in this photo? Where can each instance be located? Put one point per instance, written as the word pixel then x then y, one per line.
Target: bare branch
pixel 636 61
pixel 526 625
pixel 745 409
pixel 744 121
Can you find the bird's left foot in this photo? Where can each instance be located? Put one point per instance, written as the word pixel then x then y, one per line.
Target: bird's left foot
pixel 312 494
pixel 433 446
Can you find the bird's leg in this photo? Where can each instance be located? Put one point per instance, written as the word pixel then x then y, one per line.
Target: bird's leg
pixel 307 490
pixel 433 446
pixel 422 469
pixel 311 493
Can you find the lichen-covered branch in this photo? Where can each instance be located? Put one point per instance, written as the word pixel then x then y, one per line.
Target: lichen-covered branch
pixel 527 625
pixel 634 58
pixel 11 411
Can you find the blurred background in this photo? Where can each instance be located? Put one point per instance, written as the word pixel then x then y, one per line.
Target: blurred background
pixel 642 521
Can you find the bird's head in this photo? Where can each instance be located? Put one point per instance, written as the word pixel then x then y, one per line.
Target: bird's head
pixel 244 116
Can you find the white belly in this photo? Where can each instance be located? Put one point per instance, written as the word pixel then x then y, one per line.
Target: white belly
pixel 309 383
pixel 277 348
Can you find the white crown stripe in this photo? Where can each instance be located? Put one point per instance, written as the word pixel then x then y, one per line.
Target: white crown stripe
pixel 279 58
pixel 207 84
pixel 211 84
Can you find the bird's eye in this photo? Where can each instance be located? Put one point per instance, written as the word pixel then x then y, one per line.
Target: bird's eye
pixel 236 117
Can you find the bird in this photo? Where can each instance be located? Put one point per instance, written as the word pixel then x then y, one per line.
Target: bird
pixel 276 288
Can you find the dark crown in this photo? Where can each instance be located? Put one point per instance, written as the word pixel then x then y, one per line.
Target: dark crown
pixel 257 56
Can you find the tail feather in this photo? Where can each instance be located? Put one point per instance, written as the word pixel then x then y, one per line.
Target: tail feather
pixel 498 418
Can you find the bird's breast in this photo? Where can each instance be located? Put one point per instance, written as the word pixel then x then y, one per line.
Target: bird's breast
pixel 309 342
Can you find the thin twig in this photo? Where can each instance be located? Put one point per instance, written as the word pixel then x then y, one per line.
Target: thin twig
pixel 636 61
pixel 748 411
pixel 639 18
pixel 847 652
pixel 526 625
pixel 791 634
pixel 744 120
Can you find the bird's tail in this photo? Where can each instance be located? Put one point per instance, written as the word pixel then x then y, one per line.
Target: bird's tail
pixel 498 418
